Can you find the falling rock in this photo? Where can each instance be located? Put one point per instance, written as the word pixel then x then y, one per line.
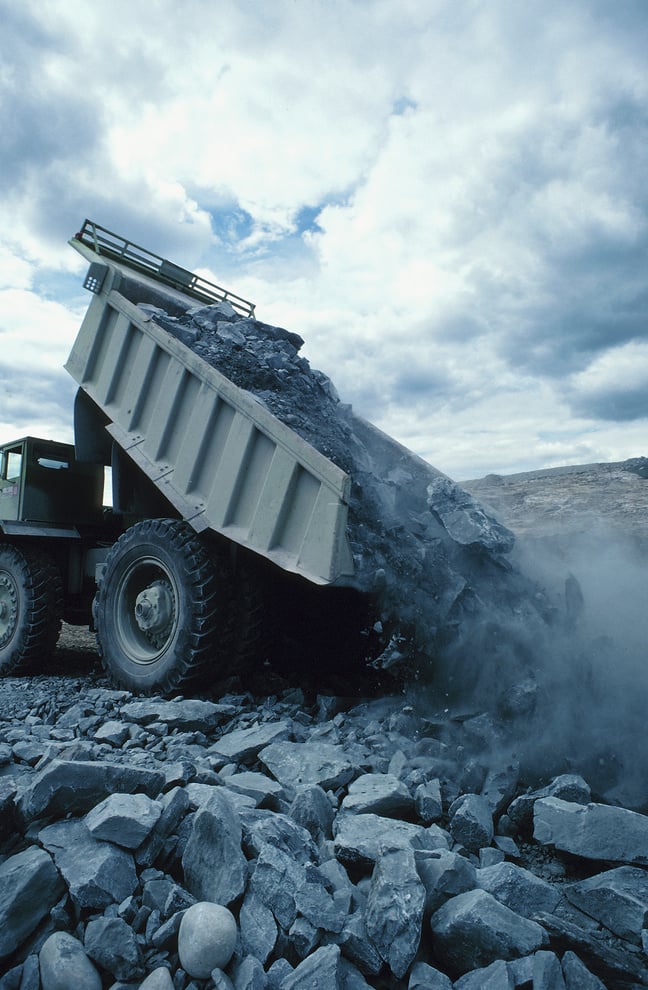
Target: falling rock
pixel 125 819
pixel 424 977
pixel 64 964
pixel 464 518
pixel 617 899
pixel 97 873
pixel 187 714
pixel 394 914
pixel 319 971
pixel 359 839
pixel 378 794
pixel 214 865
pixel 518 889
pixel 471 823
pixel 206 939
pixel 577 975
pixel 302 764
pixel 159 979
pixel 312 810
pixel 113 945
pixel 494 977
pixel 73 787
pixel 593 831
pixel 30 886
pixel 444 875
pixel 499 787
pixel 242 745
pixel 473 930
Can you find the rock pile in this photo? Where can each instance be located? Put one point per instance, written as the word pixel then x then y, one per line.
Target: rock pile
pixel 260 843
pixel 434 561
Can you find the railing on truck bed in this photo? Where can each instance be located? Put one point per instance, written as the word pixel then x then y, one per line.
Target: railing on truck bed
pixel 104 242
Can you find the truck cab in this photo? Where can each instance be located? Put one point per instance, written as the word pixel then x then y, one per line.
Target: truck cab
pixel 42 484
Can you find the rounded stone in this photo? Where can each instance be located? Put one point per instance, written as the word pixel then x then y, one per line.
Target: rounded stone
pixel 206 939
pixel 64 964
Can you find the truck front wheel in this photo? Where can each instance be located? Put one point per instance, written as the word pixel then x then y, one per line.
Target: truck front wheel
pixel 31 605
pixel 161 608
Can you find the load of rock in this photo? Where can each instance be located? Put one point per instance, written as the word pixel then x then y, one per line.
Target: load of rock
pixel 429 555
pixel 265 844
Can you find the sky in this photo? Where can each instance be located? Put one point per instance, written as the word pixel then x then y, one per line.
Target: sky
pixel 447 199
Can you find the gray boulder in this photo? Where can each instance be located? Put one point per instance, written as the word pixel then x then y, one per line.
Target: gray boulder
pixel 320 969
pixel 303 764
pixel 547 972
pixel 518 889
pixel 497 976
pixel 359 839
pixel 567 786
pixel 394 914
pixel 30 886
pixel 428 802
pixel 187 714
pixel 471 823
pixel 312 810
pixel 577 975
pixel 378 794
pixel 243 745
pixel 67 787
pixel 125 819
pixel 444 874
pixel 113 945
pixel 64 964
pixel 473 930
pixel 594 831
pixel 258 927
pixel 214 866
pixel 424 977
pixel 97 873
pixel 617 899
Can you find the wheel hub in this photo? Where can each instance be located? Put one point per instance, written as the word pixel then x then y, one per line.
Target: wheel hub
pixel 154 612
pixel 8 609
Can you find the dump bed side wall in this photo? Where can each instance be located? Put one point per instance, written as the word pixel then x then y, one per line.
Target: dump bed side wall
pixel 211 448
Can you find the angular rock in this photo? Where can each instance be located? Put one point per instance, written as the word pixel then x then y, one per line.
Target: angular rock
pixel 378 794
pixel 321 969
pixel 424 977
pixel 174 806
pixel 357 947
pixel 473 930
pixel 617 899
pixel 568 786
pixel 262 789
pixel 499 787
pixel 547 972
pixel 593 831
pixel 312 810
pixel 64 964
pixel 518 889
pixel 243 745
pixel 394 914
pixel 428 802
pixel 261 828
pixel 97 873
pixel 464 518
pixel 125 819
pixel 258 927
pixel 113 945
pixel 214 865
pixel 113 732
pixel 250 975
pixel 444 875
pixel 289 888
pixel 186 714
pixel 471 823
pixel 494 977
pixel 577 975
pixel 303 764
pixel 359 839
pixel 30 886
pixel 159 979
pixel 74 787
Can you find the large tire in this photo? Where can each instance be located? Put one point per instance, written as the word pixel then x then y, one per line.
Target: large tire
pixel 31 606
pixel 162 609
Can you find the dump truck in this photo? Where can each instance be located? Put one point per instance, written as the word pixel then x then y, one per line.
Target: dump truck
pixel 219 514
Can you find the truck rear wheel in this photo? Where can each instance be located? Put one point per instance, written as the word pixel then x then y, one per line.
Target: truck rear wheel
pixel 161 609
pixel 31 606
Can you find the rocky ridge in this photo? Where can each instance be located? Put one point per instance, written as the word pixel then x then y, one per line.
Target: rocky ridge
pixel 347 844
